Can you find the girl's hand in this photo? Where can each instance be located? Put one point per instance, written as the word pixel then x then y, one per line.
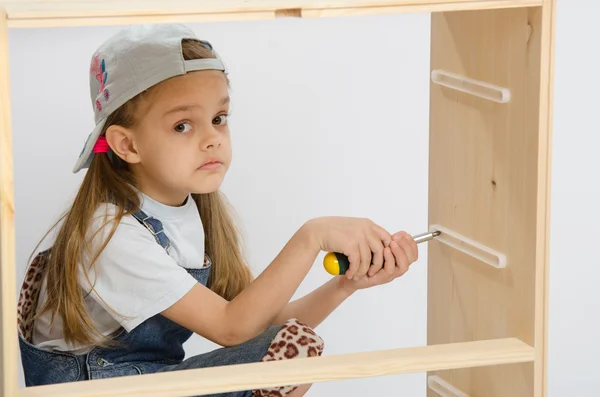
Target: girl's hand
pixel 400 254
pixel 361 240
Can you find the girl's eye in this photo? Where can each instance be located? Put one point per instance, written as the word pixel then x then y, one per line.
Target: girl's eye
pixel 182 127
pixel 220 119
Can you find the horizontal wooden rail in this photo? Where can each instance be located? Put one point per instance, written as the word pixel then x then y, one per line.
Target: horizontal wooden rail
pixel 51 13
pixel 297 371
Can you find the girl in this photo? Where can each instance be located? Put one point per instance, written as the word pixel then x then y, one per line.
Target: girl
pixel 148 254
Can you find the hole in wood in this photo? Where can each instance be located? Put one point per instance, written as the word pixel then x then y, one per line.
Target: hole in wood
pixel 474 87
pixel 444 388
pixel 470 247
pixel 288 13
pixel 529 31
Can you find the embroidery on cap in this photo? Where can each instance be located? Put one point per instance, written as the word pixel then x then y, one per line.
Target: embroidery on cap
pixel 98 70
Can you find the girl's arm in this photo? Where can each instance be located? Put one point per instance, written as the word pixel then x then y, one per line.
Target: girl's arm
pixel 313 308
pixel 254 309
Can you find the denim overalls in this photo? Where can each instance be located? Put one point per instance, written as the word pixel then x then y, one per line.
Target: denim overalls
pixel 156 345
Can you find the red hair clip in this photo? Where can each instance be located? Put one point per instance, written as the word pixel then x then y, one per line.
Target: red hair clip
pixel 101 145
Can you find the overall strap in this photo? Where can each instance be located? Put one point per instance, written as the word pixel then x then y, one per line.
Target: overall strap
pixel 155 227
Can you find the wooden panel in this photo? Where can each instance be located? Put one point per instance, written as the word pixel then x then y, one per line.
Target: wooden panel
pixel 546 42
pixel 38 13
pixel 488 173
pixel 307 370
pixel 405 8
pixel 8 317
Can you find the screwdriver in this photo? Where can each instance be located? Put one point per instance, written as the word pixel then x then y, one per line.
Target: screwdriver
pixel 338 264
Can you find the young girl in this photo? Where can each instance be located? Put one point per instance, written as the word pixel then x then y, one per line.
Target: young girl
pixel 147 254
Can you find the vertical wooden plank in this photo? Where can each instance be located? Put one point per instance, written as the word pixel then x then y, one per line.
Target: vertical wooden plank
pixel 487 167
pixel 547 40
pixel 8 317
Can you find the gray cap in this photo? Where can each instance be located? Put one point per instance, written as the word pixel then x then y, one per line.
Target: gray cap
pixel 130 62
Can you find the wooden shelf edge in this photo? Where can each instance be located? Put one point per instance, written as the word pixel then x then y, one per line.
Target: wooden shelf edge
pixel 298 371
pixel 40 13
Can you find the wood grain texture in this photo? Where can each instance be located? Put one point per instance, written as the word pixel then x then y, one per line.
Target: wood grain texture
pixel 297 371
pixel 546 42
pixel 8 317
pixel 407 7
pixel 47 13
pixel 488 173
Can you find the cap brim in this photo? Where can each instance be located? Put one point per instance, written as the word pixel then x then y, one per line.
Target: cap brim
pixel 87 154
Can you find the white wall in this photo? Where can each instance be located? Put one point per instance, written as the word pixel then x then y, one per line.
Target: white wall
pixel 315 101
pixel 574 345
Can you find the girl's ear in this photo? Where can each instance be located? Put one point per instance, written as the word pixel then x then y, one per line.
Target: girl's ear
pixel 120 140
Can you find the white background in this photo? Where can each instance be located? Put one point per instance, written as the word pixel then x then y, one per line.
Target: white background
pixel 330 117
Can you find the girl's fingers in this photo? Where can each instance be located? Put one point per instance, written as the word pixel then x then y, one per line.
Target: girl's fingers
pixel 390 261
pixel 384 235
pixel 354 259
pixel 388 272
pixel 382 251
pixel 409 246
pixel 365 261
pixel 401 258
pixel 376 247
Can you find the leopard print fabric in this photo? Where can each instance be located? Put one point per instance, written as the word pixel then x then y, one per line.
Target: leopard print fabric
pixel 28 297
pixel 207 261
pixel 294 340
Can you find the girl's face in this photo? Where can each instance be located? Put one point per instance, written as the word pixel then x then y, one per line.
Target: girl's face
pixel 181 143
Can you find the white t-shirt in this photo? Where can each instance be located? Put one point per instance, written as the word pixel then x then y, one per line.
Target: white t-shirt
pixel 133 275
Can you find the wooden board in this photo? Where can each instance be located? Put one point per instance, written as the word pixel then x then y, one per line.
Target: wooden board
pixel 488 181
pixel 8 305
pixel 546 42
pixel 47 13
pixel 306 370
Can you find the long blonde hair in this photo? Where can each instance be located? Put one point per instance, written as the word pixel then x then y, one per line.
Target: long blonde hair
pixel 110 181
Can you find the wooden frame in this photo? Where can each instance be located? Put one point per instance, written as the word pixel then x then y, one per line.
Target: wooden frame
pixel 490 149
